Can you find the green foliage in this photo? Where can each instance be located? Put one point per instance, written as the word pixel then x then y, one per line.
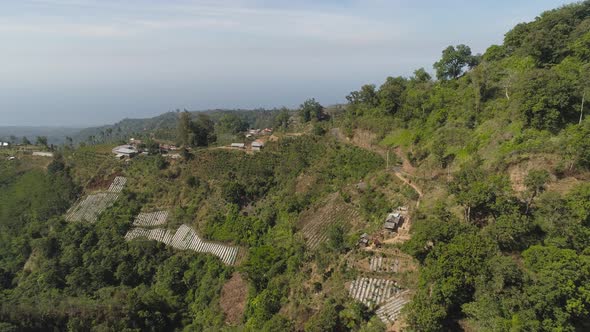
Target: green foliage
pixel 281 120
pixel 390 93
pixel 519 263
pixel 452 270
pixel 336 240
pixel 547 100
pixel 232 123
pixel 366 98
pixel 324 320
pixel 200 132
pixel 480 194
pixel 311 110
pixel 578 143
pixel 42 141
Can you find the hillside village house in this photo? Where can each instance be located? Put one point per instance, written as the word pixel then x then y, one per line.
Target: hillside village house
pixel 168 147
pixel 123 151
pixel 4 144
pixel 238 145
pixel 253 132
pixel 135 142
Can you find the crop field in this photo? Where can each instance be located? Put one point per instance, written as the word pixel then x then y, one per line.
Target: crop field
pixel 151 219
pixel 372 291
pixel 381 264
pixel 185 238
pixel 390 310
pixel 316 223
pixel 117 185
pixel 89 208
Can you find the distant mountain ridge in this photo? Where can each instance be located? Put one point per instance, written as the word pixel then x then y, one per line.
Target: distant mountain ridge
pixel 163 126
pixel 55 135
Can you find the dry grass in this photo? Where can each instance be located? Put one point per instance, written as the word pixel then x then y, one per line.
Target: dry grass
pixel 304 183
pixel 316 221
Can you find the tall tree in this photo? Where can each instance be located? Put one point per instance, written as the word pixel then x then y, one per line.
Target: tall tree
pixel 41 140
pixel 203 131
pixel 454 61
pixel 535 183
pixel 390 94
pixel 232 123
pixel 310 110
pixel 281 121
pixel 184 128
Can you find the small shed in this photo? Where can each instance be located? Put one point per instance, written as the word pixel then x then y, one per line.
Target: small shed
pixel 4 144
pixel 393 221
pixel 364 240
pixel 257 145
pixel 238 145
pixel 43 154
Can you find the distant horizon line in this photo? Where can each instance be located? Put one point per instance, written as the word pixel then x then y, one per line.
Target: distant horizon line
pixel 84 126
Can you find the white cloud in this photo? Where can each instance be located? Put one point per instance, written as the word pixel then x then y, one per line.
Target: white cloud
pixel 237 17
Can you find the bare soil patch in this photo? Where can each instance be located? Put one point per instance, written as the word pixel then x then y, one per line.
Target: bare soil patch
pixel 233 299
pixel 304 183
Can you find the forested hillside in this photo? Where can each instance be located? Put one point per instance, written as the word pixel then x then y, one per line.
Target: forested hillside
pixel 500 144
pixel 486 167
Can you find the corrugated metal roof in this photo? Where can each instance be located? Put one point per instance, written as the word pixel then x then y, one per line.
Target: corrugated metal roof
pixel 125 149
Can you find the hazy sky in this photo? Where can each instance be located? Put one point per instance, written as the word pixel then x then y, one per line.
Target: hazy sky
pixel 88 62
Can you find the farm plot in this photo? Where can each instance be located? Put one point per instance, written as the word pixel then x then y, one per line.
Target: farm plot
pixel 317 223
pixel 186 238
pixel 151 219
pixel 117 185
pixel 381 264
pixel 372 291
pixel 391 309
pixel 93 205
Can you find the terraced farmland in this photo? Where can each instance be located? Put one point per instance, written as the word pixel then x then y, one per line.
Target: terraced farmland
pixel 316 223
pixel 117 185
pixel 372 291
pixel 381 264
pixel 89 208
pixel 158 234
pixel 151 219
pixel 185 238
pixel 391 309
